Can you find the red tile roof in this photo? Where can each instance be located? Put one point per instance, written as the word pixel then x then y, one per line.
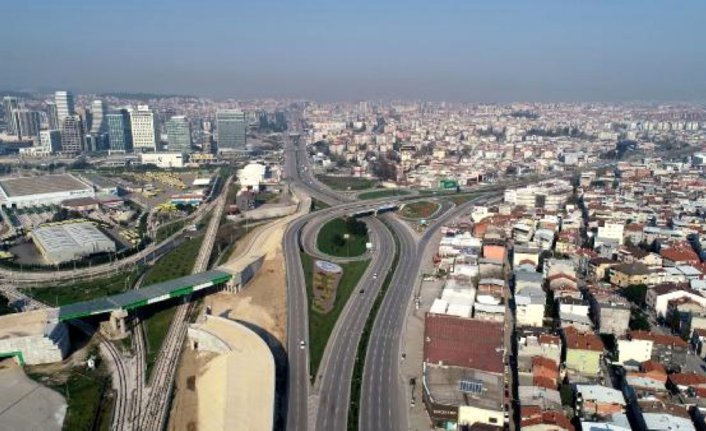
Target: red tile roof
pixel 651 366
pixel 687 379
pixel 680 253
pixel 541 361
pixel 549 339
pixel 463 342
pixel 582 341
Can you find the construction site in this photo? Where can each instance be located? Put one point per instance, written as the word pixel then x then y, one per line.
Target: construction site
pixel 227 333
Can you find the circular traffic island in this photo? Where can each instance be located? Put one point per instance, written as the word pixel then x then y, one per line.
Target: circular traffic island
pixel 343 237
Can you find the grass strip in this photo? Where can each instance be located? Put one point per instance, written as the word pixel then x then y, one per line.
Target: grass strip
pixel 177 263
pixel 332 239
pixel 85 290
pixel 376 194
pixel 346 183
pixel 321 324
pixel 358 366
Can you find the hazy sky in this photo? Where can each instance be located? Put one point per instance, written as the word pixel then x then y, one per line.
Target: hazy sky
pixel 477 51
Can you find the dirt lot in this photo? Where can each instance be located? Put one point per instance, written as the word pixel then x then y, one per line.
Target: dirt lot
pixel 184 414
pixel 263 302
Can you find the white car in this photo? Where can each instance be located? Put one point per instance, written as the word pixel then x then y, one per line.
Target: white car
pixel 302 344
pixel 375 275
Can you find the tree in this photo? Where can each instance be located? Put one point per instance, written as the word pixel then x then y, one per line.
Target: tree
pixel 355 227
pixel 635 293
pixel 638 321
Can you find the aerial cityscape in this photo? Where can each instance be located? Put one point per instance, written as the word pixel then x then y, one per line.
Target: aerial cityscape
pixel 459 216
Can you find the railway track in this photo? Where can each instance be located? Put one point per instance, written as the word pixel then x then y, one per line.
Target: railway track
pixel 160 389
pixel 122 405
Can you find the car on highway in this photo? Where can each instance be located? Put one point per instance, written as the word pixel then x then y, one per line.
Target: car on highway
pixel 375 275
pixel 302 344
pixel 362 291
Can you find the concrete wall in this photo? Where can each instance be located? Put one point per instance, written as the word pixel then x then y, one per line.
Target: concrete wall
pixel 206 341
pixel 267 212
pixel 245 273
pixel 634 351
pixel 40 349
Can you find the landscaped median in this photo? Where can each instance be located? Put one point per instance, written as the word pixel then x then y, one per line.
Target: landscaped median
pixel 359 365
pixel 419 209
pixel 383 193
pixel 321 323
pixel 346 183
pixel 343 237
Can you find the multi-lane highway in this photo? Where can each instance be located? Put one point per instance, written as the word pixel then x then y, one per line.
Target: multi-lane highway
pixel 385 399
pixel 324 405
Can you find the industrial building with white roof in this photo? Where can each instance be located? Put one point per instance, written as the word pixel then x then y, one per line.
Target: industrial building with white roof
pixel 67 242
pixel 25 192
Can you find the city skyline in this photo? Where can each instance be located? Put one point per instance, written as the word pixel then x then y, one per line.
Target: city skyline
pixel 545 51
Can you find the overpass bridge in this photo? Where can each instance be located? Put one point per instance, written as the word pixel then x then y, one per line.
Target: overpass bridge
pixel 153 294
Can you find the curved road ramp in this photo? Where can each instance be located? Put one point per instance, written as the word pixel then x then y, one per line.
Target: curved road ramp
pixel 237 387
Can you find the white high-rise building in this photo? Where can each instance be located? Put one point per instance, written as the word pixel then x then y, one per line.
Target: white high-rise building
pixel 145 129
pixel 27 123
pixel 10 104
pixel 72 136
pixel 50 140
pixel 98 124
pixel 64 101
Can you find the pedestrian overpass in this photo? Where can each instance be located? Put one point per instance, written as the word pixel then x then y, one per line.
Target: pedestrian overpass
pixel 137 298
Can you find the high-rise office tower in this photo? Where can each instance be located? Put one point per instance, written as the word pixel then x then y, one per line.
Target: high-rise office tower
pixel 10 104
pixel 72 135
pixel 98 125
pixel 231 130
pixel 27 123
pixel 145 129
pixel 64 101
pixel 50 140
pixel 119 131
pixel 53 116
pixel 179 134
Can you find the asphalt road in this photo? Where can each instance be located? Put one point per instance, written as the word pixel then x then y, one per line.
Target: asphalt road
pixel 385 396
pixel 326 407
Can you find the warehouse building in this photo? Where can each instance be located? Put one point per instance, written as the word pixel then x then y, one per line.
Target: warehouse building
pixel 67 242
pixel 26 192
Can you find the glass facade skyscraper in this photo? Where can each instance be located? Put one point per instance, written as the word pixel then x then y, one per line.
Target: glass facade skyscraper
pixel 231 130
pixel 119 131
pixel 179 134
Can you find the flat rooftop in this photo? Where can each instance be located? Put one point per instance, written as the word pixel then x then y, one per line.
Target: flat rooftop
pixel 464 387
pixel 69 236
pixel 26 186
